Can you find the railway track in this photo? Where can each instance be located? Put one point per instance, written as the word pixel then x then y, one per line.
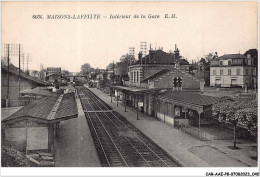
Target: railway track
pixel 118 142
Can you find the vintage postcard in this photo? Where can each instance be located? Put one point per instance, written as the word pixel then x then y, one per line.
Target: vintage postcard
pixel 168 84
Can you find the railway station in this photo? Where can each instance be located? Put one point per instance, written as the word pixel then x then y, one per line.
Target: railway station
pixel 119 143
pixel 86 90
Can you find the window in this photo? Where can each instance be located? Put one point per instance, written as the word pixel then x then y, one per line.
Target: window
pixel 252 72
pixel 165 108
pixel 229 71
pixel 137 76
pixel 249 62
pixel 221 71
pixel 233 82
pixel 246 71
pixel 221 63
pixel 229 62
pixel 214 72
pixel 237 62
pixel 238 71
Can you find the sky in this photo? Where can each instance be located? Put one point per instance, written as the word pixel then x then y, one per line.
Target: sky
pixel 200 28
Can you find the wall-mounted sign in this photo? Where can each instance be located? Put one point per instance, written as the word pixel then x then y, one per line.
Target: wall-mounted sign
pixel 140 104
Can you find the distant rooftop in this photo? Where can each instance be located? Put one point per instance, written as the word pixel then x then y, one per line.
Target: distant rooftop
pixel 230 56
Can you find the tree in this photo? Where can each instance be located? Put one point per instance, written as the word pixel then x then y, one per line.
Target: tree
pixel 239 112
pixel 254 55
pixel 127 59
pixel 110 66
pixel 248 116
pixel 203 61
pixel 66 72
pixel 86 69
pixel 210 56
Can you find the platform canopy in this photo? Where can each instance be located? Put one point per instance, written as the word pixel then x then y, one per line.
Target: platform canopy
pixel 50 109
pixel 136 90
pixel 193 100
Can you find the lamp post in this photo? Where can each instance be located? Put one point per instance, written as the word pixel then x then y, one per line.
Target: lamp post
pixel 137 116
pixel 125 102
pixel 111 94
pixel 117 98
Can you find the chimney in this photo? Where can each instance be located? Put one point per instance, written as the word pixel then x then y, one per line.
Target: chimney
pixel 176 53
pixel 140 55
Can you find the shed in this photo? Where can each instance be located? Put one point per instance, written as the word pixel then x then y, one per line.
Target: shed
pixel 33 127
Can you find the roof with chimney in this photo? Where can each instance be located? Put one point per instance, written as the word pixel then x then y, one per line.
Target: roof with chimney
pixel 161 57
pixel 157 57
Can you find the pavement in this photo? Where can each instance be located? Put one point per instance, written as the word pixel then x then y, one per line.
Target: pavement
pixel 74 146
pixel 187 150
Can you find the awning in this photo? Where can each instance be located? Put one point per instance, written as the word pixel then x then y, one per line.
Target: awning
pixel 49 109
pixel 138 90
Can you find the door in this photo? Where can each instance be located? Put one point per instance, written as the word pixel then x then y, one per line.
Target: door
pixel 218 82
pixel 233 82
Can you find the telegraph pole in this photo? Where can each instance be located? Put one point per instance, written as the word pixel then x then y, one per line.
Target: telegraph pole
pixel 7 97
pixel 23 62
pixel 27 61
pixel 19 54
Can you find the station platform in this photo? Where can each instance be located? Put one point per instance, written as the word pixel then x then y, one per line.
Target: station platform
pixel 74 146
pixel 187 150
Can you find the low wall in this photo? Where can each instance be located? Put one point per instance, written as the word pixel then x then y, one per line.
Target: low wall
pixel 179 122
pixel 165 118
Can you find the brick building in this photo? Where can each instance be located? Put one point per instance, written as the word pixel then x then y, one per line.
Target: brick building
pixel 154 62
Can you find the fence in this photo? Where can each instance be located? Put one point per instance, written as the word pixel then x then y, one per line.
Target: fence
pixel 196 132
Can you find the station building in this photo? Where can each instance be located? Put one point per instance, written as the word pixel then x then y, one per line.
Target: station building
pixel 166 91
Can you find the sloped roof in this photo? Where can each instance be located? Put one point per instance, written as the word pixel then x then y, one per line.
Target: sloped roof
pixel 68 106
pixel 161 57
pixel 230 56
pixel 41 109
pixel 14 71
pixel 42 91
pixel 188 97
pixel 155 75
pixel 158 57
